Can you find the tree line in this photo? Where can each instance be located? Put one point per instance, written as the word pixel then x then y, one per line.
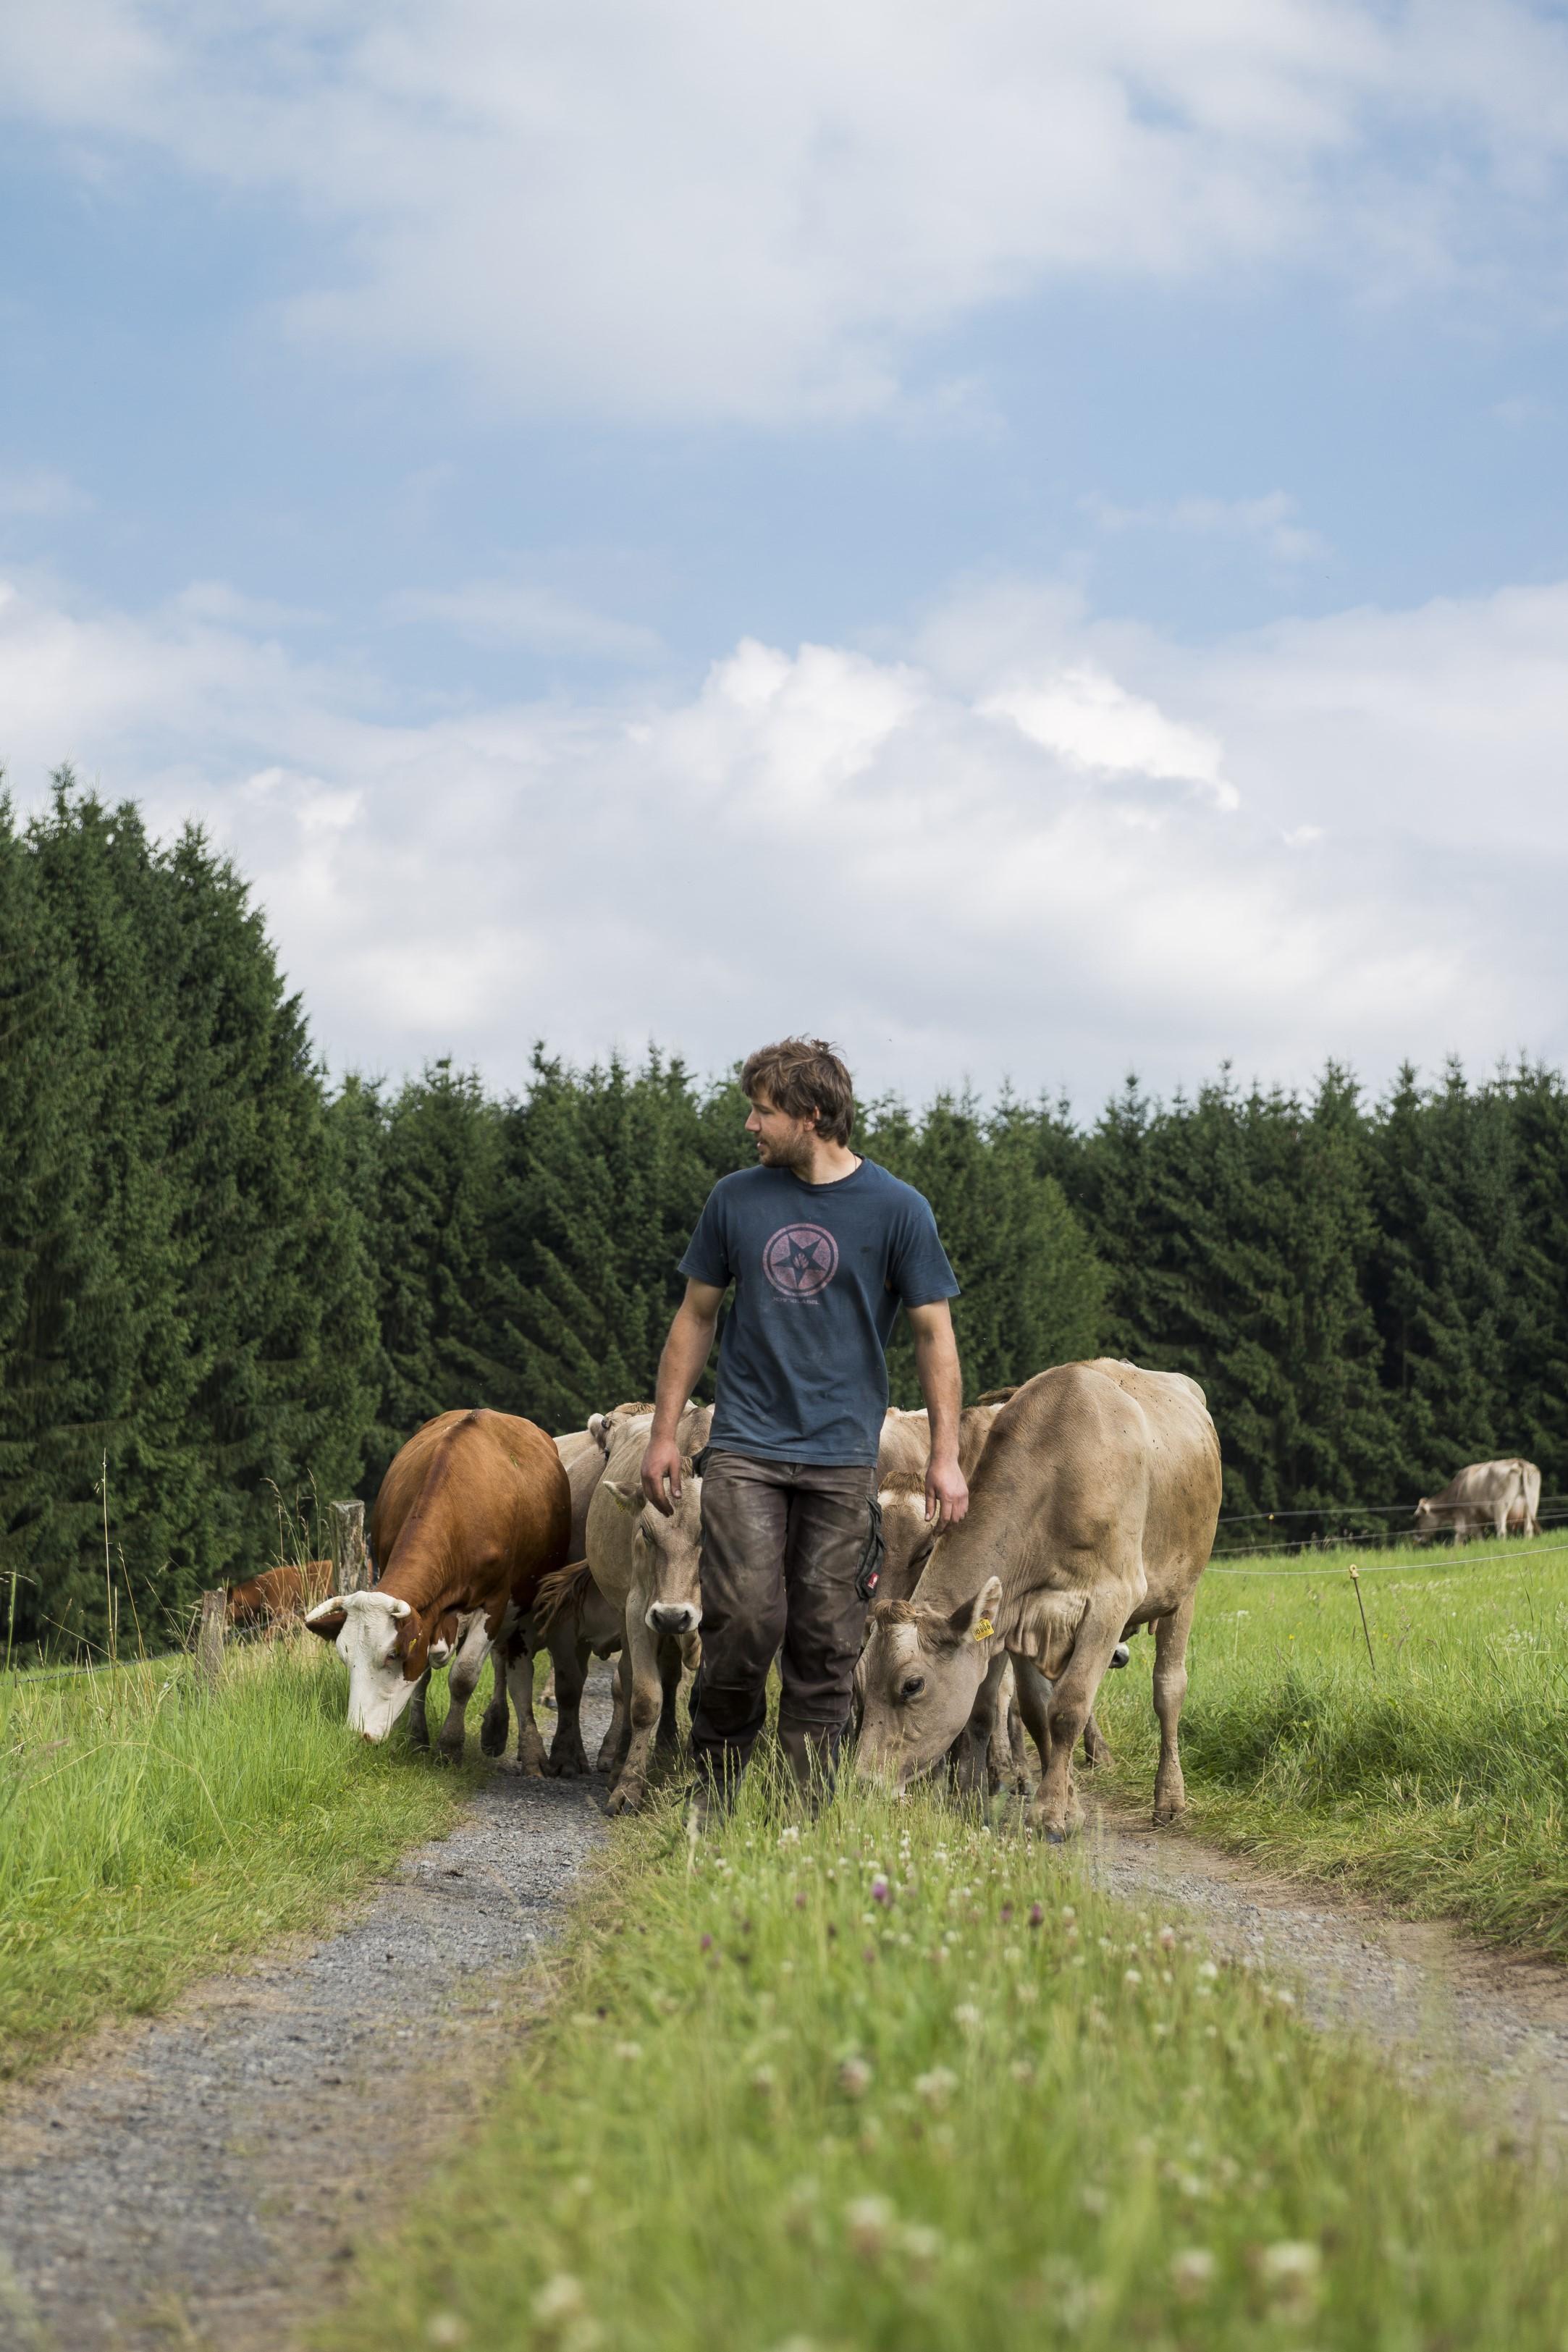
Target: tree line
pixel 228 1288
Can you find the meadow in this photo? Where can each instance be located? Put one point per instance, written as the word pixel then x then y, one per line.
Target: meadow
pixel 1423 1758
pixel 151 1828
pixel 899 2080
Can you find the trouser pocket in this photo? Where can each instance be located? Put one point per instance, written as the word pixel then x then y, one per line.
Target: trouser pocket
pixel 869 1574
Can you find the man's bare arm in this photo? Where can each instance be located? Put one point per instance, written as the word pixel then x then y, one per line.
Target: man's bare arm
pixel 941 1385
pixel 686 1351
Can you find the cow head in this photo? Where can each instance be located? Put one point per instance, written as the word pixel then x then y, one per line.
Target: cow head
pixel 386 1649
pixel 668 1555
pixel 921 1670
pixel 1426 1520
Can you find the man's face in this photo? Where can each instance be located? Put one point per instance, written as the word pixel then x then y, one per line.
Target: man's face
pixel 781 1141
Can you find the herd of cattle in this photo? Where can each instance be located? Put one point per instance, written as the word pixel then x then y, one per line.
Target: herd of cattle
pixel 1095 1491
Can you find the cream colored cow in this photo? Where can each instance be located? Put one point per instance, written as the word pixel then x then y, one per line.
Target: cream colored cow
pixel 1092 1512
pixel 1486 1498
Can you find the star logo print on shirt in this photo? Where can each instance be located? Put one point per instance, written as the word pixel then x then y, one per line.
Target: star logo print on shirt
pixel 800 1260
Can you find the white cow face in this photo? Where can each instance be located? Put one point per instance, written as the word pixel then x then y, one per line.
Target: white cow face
pixel 371 1631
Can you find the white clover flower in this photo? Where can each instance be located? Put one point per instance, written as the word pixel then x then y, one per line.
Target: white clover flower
pixel 1132 1976
pixel 629 2050
pixel 937 2088
pixel 1191 2272
pixel 1293 2262
pixel 1207 1971
pixel 868 2224
pixel 561 2298
pixel 764 2080
pixel 446 2328
pixel 854 2078
pixel 967 2018
pixel 790 1836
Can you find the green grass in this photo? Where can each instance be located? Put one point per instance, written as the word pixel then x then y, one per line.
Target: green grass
pixel 151 1829
pixel 773 2111
pixel 1438 1779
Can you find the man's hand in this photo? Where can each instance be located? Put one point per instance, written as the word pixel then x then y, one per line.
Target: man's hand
pixel 947 1496
pixel 661 1463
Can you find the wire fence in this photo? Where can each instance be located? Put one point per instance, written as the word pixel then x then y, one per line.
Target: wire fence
pixel 1340 1524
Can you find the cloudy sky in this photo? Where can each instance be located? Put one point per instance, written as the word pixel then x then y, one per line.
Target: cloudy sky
pixel 1026 535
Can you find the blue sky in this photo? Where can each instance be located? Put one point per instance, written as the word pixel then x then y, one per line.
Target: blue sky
pixel 1028 538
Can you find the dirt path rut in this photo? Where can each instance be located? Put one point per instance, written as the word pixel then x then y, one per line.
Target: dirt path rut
pixel 1442 2005
pixel 201 2181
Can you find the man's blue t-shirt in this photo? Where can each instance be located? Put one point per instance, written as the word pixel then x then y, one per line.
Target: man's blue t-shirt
pixel 820 1272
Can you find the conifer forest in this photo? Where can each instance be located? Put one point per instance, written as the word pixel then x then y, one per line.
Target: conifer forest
pixel 228 1288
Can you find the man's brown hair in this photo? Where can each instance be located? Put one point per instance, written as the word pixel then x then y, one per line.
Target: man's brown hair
pixel 802 1075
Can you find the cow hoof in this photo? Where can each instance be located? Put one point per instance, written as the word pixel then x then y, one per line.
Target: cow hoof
pixel 569 1766
pixel 622 1800
pixel 1165 1814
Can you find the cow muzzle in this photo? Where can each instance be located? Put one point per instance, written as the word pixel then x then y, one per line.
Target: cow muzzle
pixel 677 1618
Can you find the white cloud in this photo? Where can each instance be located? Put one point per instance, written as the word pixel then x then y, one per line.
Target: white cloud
pixel 1029 868
pixel 1270 523
pixel 40 492
pixel 512 613
pixel 677 210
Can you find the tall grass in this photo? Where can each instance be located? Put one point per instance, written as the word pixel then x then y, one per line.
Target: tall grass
pixel 150 1827
pixel 897 2081
pixel 1434 1770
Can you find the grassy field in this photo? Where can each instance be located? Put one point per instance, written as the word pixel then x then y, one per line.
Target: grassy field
pixel 1434 1772
pixel 898 2081
pixel 151 1829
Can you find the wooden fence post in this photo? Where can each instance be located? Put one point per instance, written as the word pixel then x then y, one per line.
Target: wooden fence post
pixel 210 1635
pixel 351 1561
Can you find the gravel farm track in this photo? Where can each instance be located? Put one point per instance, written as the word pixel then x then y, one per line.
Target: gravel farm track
pixel 207 2179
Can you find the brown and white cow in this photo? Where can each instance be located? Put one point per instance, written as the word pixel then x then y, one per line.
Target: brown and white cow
pixel 280 1595
pixel 1486 1498
pixel 473 1513
pixel 647 1567
pixel 1092 1511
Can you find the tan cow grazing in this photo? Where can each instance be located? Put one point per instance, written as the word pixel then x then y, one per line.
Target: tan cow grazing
pixel 279 1596
pixel 1092 1512
pixel 474 1511
pixel 1488 1497
pixel 991 1749
pixel 647 1566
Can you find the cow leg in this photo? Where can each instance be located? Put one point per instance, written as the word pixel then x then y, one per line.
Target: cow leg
pixel 530 1760
pixel 1170 1689
pixel 647 1694
pixel 666 1738
pixel 1096 1747
pixel 569 1659
pixel 495 1725
pixel 1034 1704
pixel 1056 1809
pixel 418 1722
pixel 971 1757
pixel 462 1682
pixel 613 1749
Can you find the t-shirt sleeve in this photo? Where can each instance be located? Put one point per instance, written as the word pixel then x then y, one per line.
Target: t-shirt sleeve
pixel 707 1258
pixel 920 1272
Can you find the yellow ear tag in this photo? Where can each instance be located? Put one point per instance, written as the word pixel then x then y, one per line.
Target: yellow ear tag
pixel 982 1631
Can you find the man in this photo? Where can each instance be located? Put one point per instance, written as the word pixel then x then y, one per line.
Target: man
pixel 823 1248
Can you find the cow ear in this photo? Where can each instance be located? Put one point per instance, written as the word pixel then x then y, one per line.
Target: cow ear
pixel 625 1498
pixel 596 1431
pixel 975 1620
pixel 328 1619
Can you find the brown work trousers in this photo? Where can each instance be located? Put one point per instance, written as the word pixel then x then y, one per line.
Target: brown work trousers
pixel 782 1546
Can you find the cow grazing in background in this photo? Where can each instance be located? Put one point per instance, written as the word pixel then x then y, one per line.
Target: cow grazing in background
pixel 1486 1498
pixel 1092 1511
pixel 474 1512
pixel 279 1596
pixel 647 1567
